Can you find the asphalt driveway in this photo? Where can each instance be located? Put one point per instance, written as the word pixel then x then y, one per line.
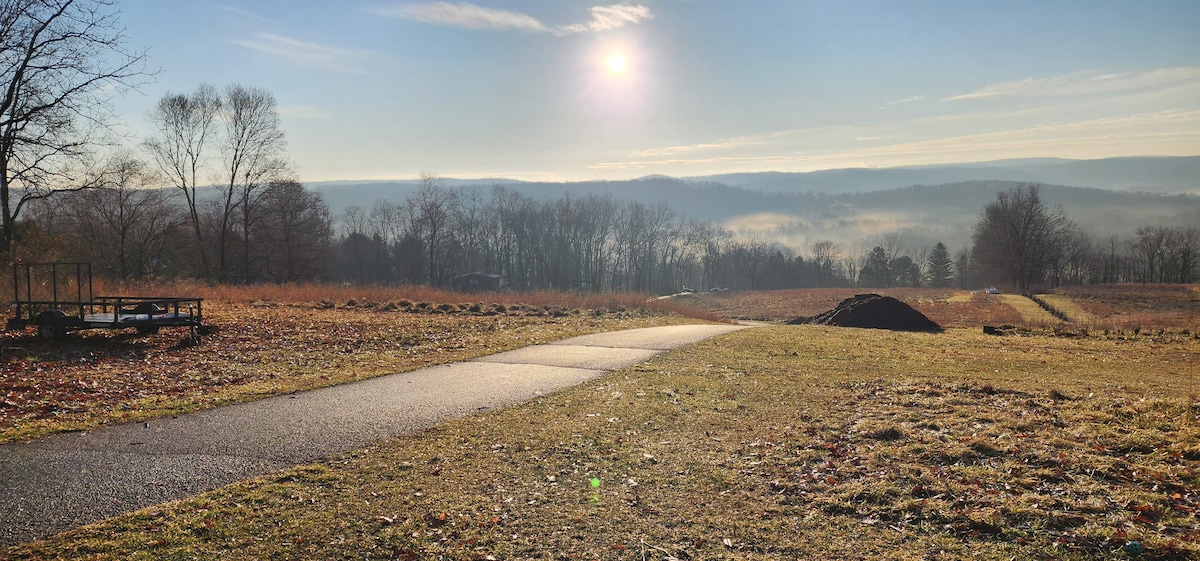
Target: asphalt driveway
pixel 62 482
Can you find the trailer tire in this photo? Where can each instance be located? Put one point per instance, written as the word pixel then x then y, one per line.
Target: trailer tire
pixel 147 329
pixel 52 325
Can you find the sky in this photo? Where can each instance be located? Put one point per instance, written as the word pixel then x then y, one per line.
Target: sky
pixel 529 90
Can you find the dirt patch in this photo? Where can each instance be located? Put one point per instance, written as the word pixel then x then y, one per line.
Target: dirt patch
pixel 874 312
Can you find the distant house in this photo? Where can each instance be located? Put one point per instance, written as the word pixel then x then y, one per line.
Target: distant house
pixel 476 282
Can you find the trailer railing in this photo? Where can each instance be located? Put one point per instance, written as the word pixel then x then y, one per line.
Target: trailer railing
pixel 41 300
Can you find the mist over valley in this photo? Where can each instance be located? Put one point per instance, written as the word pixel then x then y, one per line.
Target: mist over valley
pixel 857 206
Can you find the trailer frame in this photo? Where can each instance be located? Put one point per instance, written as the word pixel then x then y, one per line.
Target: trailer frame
pixel 56 313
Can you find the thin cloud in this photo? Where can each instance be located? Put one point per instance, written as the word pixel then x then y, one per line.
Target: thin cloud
pixel 466 16
pixel 1167 132
pixel 764 138
pixel 1086 83
pixel 822 135
pixel 1110 76
pixel 1001 89
pixel 1172 132
pixel 672 150
pixel 605 18
pixel 906 100
pixel 302 112
pixel 690 161
pixel 241 16
pixel 470 16
pixel 306 53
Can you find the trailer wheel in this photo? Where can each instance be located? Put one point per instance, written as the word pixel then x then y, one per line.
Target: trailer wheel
pixel 147 329
pixel 52 325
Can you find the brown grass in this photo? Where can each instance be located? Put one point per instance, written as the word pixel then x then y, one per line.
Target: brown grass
pixel 788 442
pixel 338 294
pixel 1126 307
pixel 785 442
pixel 947 307
pixel 1063 303
pixel 1113 309
pixel 274 340
pixel 1031 313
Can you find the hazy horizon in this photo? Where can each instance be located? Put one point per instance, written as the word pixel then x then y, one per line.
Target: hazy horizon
pixel 966 164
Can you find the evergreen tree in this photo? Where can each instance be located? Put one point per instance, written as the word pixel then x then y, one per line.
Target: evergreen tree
pixel 940 267
pixel 875 271
pixel 966 271
pixel 904 272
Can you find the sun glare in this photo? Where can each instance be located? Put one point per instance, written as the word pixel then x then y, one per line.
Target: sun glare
pixel 616 63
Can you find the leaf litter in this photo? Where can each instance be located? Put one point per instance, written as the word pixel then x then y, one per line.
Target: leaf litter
pixel 741 451
pixel 101 377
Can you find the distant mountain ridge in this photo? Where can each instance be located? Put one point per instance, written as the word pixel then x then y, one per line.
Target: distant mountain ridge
pixel 937 203
pixel 1168 174
pixel 1157 174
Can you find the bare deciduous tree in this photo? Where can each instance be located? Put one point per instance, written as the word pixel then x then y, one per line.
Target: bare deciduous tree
pixel 430 213
pixel 1018 237
pixel 469 223
pixel 185 123
pixel 123 227
pixel 297 231
pixel 751 257
pixel 253 154
pixel 1161 254
pixel 825 256
pixel 243 123
pixel 58 61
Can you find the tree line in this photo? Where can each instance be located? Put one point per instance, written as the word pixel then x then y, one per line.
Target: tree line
pixel 595 243
pixel 590 243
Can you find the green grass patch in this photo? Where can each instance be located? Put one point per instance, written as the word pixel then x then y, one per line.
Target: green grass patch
pixel 786 442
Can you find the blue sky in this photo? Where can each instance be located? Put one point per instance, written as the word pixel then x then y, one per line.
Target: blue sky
pixel 521 89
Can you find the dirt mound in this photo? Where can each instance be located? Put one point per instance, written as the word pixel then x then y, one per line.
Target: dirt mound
pixel 875 312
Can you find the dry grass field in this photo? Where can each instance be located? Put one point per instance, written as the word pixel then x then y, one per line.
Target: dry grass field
pixel 272 341
pixel 779 442
pixel 788 442
pixel 1030 312
pixel 1130 307
pixel 949 308
pixel 1074 312
pixel 1115 309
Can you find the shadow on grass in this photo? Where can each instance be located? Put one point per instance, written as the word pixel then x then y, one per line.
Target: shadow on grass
pixel 88 345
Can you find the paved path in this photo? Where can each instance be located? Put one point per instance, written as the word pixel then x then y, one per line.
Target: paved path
pixel 62 482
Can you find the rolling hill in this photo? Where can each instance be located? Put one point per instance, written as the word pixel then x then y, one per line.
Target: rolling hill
pixel 941 203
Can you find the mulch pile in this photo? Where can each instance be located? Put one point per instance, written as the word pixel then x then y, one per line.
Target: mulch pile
pixel 873 311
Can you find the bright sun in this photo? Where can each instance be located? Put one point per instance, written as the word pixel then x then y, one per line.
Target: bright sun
pixel 616 63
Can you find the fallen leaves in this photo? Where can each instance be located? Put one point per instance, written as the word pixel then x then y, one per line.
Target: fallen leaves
pixel 983 466
pixel 97 377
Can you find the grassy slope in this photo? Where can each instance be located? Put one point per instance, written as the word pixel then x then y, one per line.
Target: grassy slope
pixel 771 443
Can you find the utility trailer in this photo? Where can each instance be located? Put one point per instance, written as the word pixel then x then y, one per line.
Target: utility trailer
pixel 57 298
